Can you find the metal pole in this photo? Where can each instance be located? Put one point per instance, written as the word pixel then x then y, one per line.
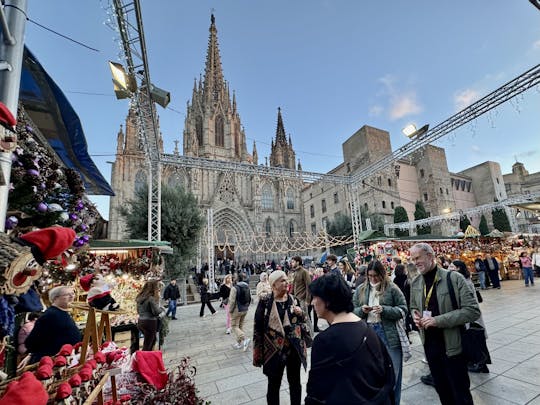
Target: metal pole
pixel 11 53
pixel 210 241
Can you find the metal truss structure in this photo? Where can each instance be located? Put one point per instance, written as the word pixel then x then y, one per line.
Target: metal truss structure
pixel 130 27
pixel 455 216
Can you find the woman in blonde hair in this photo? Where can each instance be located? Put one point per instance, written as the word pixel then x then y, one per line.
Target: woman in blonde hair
pixel 381 304
pixel 224 292
pixel 149 313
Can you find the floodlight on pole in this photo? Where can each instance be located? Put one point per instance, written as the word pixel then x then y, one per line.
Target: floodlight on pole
pixel 124 84
pixel 411 132
pixel 160 96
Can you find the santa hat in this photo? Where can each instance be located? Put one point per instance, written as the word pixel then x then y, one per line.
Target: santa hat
pixel 75 381
pixel 113 356
pixel 63 391
pixel 85 373
pixel 150 366
pixel 46 360
pixel 92 363
pixel 86 282
pixel 66 350
pixel 60 361
pixel 44 372
pixel 48 243
pixel 27 390
pixel 7 120
pixel 99 357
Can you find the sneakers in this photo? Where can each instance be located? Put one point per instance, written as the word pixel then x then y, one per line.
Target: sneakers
pixel 237 345
pixel 428 380
pixel 228 331
pixel 174 318
pixel 246 343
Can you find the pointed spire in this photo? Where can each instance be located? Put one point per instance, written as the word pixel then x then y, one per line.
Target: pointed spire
pixel 213 74
pixel 234 101
pixel 290 142
pixel 280 130
pixel 176 152
pixel 120 141
pixel 255 154
pixel 299 166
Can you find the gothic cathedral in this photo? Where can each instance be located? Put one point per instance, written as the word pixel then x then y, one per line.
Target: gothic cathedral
pixel 245 207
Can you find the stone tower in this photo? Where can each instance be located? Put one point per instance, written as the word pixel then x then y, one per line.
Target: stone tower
pixel 282 153
pixel 212 127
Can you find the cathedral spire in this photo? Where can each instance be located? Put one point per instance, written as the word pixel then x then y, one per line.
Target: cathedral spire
pixel 213 74
pixel 255 154
pixel 280 130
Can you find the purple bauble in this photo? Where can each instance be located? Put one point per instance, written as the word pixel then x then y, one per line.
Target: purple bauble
pixel 73 217
pixel 78 243
pixel 79 206
pixel 85 238
pixel 32 172
pixel 42 207
pixel 84 227
pixel 29 128
pixel 11 222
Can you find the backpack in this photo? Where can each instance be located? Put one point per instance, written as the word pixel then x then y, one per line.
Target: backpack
pixel 243 297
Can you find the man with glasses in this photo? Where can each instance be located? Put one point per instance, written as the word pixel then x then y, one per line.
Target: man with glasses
pixel 439 323
pixel 55 327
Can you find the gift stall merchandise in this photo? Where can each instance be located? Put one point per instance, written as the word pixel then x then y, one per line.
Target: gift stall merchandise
pixel 505 249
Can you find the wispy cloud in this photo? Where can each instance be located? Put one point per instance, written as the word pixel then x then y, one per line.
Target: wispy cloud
pixel 536 44
pixel 375 110
pixel 476 149
pixel 401 103
pixel 465 98
pixel 528 153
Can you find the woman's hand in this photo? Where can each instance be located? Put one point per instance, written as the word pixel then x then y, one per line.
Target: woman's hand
pixel 377 309
pixel 366 309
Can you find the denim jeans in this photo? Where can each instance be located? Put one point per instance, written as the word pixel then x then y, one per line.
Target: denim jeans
pixel 528 275
pixel 378 328
pixel 397 363
pixel 482 279
pixel 171 309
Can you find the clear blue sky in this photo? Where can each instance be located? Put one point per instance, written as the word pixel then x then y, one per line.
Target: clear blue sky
pixel 332 66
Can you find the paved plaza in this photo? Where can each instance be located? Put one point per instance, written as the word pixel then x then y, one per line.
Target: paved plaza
pixel 512 316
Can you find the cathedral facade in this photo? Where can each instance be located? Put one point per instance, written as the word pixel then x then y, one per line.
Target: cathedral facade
pixel 245 208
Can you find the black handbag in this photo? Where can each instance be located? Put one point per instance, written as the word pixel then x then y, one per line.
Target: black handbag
pixel 473 339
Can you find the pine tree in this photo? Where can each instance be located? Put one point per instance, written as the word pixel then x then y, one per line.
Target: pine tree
pixel 420 213
pixel 483 227
pixel 464 223
pixel 181 223
pixel 500 220
pixel 340 226
pixel 400 215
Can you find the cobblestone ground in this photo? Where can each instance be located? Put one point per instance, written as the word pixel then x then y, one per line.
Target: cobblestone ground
pixel 512 315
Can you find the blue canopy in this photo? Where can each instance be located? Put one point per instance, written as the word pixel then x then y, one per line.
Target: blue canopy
pixel 56 119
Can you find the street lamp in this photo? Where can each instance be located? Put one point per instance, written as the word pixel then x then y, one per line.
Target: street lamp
pixel 411 132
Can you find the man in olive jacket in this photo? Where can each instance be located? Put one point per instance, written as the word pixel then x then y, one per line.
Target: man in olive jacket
pixel 439 323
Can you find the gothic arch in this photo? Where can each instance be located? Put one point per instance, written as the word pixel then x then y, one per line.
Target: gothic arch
pixel 292 228
pixel 267 197
pixel 231 225
pixel 289 198
pixel 269 227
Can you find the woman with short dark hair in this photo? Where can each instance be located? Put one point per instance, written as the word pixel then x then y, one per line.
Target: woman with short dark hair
pixel 149 312
pixel 349 364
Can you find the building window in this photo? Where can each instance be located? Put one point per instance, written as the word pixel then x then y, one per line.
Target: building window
pixel 379 181
pixel 324 222
pixel 497 180
pixel 313 228
pixel 363 184
pixel 323 205
pixel 446 191
pixel 365 206
pixel 389 182
pixel 422 173
pixel 440 190
pixel 384 204
pixel 199 130
pixel 291 228
pixel 220 131
pixel 268 227
pixel 290 199
pixel 336 198
pixel 508 187
pixel 392 205
pixel 312 211
pixel 469 184
pixel 310 195
pixel 140 180
pixel 425 197
pixel 348 167
pixel 267 198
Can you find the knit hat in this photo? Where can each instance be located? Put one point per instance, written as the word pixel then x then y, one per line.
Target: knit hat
pixel 276 274
pixel 63 391
pixel 66 350
pixel 99 357
pixel 44 372
pixel 27 390
pixel 85 373
pixel 86 282
pixel 46 360
pixel 60 361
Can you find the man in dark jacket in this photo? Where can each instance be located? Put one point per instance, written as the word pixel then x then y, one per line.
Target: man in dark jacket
pixel 492 267
pixel 480 268
pixel 172 293
pixel 439 323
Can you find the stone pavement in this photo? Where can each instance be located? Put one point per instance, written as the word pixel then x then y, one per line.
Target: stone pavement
pixel 512 316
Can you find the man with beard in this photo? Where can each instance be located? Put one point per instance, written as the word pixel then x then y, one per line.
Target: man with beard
pixel 301 282
pixel 439 323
